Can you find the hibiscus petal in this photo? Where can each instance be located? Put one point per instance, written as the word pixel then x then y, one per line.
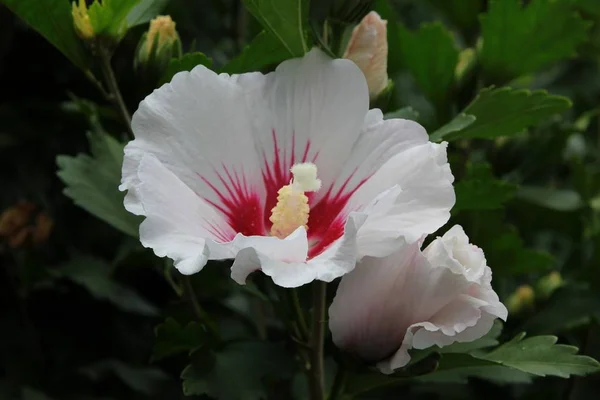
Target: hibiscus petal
pixel 177 220
pixel 285 260
pixel 411 182
pixel 454 251
pixel 309 109
pixel 197 126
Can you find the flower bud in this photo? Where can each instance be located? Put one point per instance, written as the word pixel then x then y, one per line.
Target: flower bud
pixel 368 48
pixel 415 298
pixel 103 23
pixel 162 36
pixel 156 48
pixel 548 284
pixel 21 224
pixel 522 299
pixel 466 63
pixel 81 20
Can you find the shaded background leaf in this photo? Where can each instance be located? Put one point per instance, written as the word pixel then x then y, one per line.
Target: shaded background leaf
pixel 52 19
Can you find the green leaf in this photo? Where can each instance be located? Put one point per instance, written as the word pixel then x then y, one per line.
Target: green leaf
pixel 430 55
pixel 589 6
pixel 541 356
pixel 488 340
pixel 109 17
pixel 264 50
pixel 457 368
pixel 566 308
pixel 479 190
pixel 506 111
pixel 146 380
pixel 187 62
pixel 284 19
pixel 249 362
pixel 93 181
pixel 513 258
pixel 504 249
pixel 403 113
pixel 554 199
pixel 94 275
pixel 519 40
pixel 450 368
pixel 462 13
pixel 460 122
pixel 52 19
pixel 144 11
pixel 172 338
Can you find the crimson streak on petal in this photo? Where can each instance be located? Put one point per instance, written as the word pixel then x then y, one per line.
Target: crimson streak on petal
pixel 240 205
pixel 249 215
pixel 327 218
pixel 276 174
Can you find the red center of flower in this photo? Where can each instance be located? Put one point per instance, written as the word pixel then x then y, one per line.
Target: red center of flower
pixel 247 214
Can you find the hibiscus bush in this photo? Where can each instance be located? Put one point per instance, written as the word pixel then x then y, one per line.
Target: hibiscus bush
pixel 300 199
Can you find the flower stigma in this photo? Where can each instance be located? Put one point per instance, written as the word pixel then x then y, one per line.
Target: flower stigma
pixel 292 209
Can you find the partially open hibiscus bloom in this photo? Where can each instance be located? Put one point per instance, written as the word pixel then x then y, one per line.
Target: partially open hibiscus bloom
pixel 288 172
pixel 415 299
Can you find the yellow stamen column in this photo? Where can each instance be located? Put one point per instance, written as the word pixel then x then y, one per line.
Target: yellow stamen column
pixel 292 209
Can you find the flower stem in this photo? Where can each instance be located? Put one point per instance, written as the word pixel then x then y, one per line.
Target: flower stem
pixel 299 314
pixel 113 88
pixel 198 310
pixel 316 374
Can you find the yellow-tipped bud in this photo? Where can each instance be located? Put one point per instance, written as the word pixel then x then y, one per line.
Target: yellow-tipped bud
pixel 368 48
pixel 162 31
pixel 548 284
pixel 523 298
pixel 81 20
pixel 155 50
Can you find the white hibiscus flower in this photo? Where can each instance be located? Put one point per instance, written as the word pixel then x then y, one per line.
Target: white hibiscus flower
pixel 211 169
pixel 413 299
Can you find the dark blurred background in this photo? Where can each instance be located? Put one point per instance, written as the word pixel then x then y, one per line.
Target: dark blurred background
pixel 75 335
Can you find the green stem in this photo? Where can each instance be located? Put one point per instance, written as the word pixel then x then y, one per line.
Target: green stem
pixel 113 88
pixel 299 314
pixel 97 84
pixel 198 310
pixel 316 373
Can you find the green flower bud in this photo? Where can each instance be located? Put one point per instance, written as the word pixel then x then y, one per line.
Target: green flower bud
pixel 548 284
pixel 522 299
pixel 156 48
pixel 103 23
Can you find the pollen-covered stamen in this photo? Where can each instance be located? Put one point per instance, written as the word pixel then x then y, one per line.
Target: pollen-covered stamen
pixel 292 209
